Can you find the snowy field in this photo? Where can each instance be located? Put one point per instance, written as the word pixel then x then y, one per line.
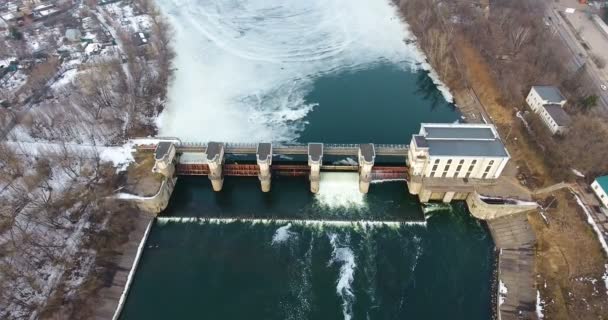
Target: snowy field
pixel 244 68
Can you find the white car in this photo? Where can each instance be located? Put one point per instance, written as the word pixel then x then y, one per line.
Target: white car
pixel 603 86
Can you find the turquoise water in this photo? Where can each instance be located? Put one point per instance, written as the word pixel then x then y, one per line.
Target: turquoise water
pixel 440 270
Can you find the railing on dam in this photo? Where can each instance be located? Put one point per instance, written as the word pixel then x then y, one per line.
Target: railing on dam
pixel 287 149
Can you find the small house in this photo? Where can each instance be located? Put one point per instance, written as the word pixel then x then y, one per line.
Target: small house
pixel 548 103
pixel 600 188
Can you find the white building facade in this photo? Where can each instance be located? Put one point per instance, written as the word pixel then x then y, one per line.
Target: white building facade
pixel 555 118
pixel 471 151
pixel 600 188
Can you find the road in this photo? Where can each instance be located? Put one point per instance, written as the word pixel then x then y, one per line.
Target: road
pixel 580 57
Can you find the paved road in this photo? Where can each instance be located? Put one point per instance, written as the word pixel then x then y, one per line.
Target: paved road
pixel 580 57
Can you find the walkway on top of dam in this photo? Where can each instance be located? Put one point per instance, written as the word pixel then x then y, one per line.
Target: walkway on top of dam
pixel 287 149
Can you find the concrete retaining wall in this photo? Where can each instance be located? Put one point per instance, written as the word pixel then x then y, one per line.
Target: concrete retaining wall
pixel 485 211
pixel 156 203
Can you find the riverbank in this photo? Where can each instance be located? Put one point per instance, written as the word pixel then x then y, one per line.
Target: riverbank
pixel 559 224
pixel 111 297
pixel 515 241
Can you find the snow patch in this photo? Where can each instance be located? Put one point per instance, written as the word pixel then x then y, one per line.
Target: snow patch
pixel 539 306
pixel 121 157
pixel 577 173
pixel 502 292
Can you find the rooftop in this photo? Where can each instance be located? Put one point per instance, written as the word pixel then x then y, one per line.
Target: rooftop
pixel 264 151
pixel 162 149
pixel 213 150
pixel 368 152
pixel 420 141
pixel 603 182
pixel 461 139
pixel 459 133
pixel 558 114
pixel 549 93
pixel 315 151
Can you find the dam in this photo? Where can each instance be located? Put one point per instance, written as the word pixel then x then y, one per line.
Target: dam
pixel 443 162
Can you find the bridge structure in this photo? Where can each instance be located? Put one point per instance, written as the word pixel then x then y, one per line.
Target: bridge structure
pixel 209 159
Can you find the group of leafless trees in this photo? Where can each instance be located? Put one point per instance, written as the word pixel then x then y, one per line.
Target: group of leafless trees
pixel 514 39
pixel 52 205
pixel 55 210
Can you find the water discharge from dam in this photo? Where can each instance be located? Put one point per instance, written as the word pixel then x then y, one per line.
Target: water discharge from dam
pixel 334 71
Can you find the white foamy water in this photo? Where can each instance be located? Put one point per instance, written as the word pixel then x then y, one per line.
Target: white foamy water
pixel 315 223
pixel 282 234
pixel 243 68
pixel 344 256
pixel 340 190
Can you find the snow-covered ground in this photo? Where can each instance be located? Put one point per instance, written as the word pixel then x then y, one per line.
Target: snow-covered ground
pixel 52 188
pixel 49 223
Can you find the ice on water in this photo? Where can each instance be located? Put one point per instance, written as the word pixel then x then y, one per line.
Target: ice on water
pixel 243 68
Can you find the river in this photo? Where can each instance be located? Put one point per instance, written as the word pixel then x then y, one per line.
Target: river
pixel 329 71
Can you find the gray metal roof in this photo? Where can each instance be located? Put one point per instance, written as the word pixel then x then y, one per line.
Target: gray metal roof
pixel 264 151
pixel 315 151
pixel 367 151
pixel 213 150
pixel 459 133
pixel 549 93
pixel 162 148
pixel 467 148
pixel 461 140
pixel 421 141
pixel 558 114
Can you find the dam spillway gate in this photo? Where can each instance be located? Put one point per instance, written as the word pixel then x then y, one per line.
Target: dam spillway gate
pixel 218 159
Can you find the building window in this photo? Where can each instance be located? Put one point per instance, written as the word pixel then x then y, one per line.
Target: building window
pixel 449 161
pixel 461 162
pixel 434 167
pixel 485 174
pixel 457 173
pixel 436 161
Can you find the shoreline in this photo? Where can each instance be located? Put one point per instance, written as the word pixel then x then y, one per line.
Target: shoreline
pixel 111 299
